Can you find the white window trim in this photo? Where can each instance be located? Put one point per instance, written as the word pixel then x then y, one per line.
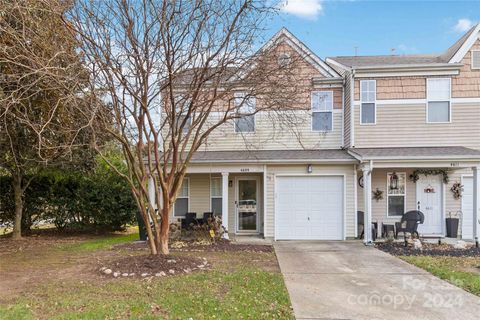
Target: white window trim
pixel 239 94
pixel 312 112
pixel 471 61
pixel 187 197
pixel 396 195
pixel 374 102
pixel 449 102
pixel 212 196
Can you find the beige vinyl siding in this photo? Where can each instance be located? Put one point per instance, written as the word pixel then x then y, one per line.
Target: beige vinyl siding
pixel 379 208
pixel 405 126
pixel 346 170
pixel 292 130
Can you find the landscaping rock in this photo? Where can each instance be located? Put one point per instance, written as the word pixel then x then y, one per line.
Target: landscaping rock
pixel 417 244
pixel 160 274
pixel 461 245
pixel 116 274
pixel 171 261
pixel 131 274
pixel 107 271
pixel 171 271
pixel 144 275
pixel 103 269
pixel 188 270
pixel 125 274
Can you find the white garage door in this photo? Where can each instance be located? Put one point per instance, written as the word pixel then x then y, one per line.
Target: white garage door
pixel 309 208
pixel 467 208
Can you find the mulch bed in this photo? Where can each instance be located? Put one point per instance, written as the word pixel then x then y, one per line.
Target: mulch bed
pixel 192 246
pixel 150 266
pixel 428 249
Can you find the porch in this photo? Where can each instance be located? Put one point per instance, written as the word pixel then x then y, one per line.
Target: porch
pixel 397 180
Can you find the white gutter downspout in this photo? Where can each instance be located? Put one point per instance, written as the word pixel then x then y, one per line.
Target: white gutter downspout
pixel 352 108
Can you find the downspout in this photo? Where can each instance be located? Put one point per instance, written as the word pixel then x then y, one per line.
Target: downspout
pixel 352 108
pixel 355 198
pixel 368 198
pixel 343 112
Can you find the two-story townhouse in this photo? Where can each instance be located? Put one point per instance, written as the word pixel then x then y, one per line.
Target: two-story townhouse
pixel 369 123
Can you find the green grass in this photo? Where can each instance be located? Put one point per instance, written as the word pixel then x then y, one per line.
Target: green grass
pixel 245 294
pixel 101 243
pixel 242 285
pixel 456 270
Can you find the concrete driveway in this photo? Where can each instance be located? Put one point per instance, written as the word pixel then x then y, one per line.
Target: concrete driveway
pixel 346 280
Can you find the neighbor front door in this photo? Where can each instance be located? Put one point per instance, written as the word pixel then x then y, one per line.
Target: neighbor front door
pixel 430 202
pixel 247 204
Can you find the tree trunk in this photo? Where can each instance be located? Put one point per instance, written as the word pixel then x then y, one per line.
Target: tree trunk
pixel 18 195
pixel 164 230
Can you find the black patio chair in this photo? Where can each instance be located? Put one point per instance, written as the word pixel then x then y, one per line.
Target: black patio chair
pixel 206 216
pixel 409 224
pixel 190 219
pixel 361 223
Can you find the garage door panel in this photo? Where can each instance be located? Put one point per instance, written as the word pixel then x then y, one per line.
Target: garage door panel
pixel 467 209
pixel 309 208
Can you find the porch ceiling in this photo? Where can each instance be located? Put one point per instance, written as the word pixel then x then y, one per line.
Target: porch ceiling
pixel 416 153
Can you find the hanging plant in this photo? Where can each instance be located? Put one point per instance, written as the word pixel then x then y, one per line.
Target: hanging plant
pixel 377 194
pixel 457 190
pixel 430 172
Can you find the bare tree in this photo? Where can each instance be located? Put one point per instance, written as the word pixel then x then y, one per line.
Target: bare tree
pixel 42 103
pixel 171 72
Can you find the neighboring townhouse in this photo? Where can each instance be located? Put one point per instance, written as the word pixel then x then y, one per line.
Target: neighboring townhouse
pixel 369 124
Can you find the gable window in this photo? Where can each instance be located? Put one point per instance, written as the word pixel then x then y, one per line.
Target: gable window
pixel 182 203
pixel 475 59
pixel 182 104
pixel 368 107
pixel 245 107
pixel 438 97
pixel 396 185
pixel 322 110
pixel 216 195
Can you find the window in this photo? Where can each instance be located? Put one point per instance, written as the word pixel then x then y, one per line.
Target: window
pixel 322 110
pixel 396 183
pixel 182 104
pixel 216 195
pixel 438 97
pixel 368 96
pixel 475 59
pixel 181 204
pixel 245 109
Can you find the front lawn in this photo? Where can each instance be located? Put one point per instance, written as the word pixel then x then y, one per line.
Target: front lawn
pixel 463 272
pixel 64 282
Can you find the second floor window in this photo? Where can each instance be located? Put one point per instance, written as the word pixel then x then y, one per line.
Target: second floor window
pixel 322 110
pixel 245 107
pixel 182 104
pixel 438 100
pixel 368 108
pixel 475 59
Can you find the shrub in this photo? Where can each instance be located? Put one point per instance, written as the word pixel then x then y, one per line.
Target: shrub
pixel 101 201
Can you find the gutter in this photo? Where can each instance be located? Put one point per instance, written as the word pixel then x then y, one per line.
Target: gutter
pixel 410 67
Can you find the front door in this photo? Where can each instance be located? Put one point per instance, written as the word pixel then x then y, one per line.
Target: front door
pixel 430 202
pixel 247 204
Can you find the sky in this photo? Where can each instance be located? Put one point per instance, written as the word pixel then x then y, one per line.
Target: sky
pixel 341 27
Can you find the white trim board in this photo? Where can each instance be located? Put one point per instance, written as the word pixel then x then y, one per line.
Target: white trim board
pixel 460 54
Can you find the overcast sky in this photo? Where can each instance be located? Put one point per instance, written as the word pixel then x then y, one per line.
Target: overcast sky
pixel 336 27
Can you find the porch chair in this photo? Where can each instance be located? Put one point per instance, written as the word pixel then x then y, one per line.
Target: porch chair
pixel 409 224
pixel 190 219
pixel 206 216
pixel 361 223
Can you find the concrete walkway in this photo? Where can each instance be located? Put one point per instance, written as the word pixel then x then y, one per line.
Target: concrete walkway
pixel 346 280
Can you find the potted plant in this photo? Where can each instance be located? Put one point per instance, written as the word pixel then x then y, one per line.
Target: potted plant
pixel 452 224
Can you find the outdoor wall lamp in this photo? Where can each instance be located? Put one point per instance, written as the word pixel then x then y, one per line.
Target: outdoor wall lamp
pixel 309 168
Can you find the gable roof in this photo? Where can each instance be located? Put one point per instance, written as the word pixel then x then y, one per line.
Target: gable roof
pixel 286 36
pixel 452 55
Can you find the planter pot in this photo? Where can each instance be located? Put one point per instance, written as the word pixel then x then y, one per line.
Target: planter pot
pixel 452 227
